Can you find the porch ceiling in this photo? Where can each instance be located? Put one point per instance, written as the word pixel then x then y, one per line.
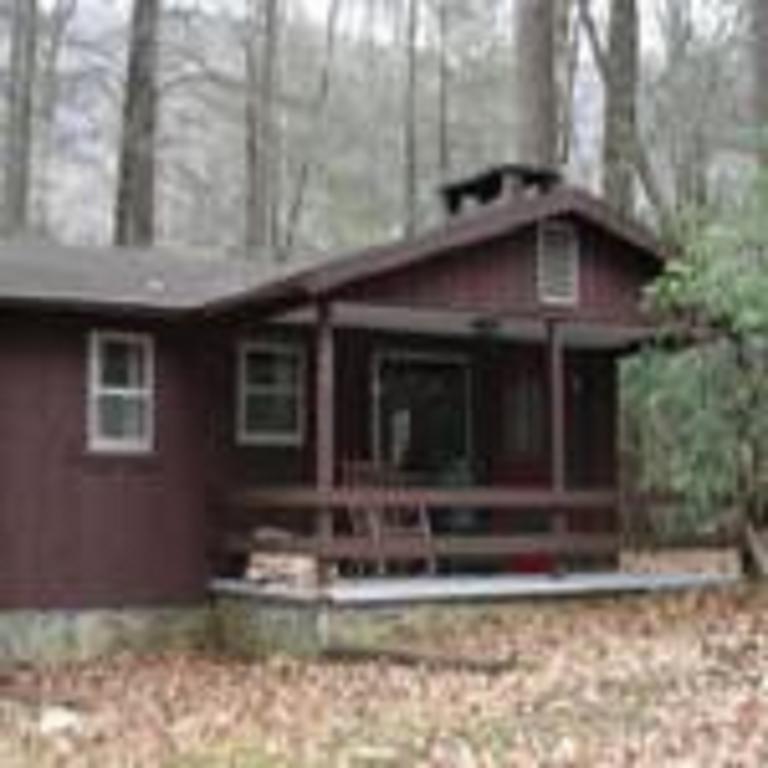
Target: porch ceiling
pixel 458 323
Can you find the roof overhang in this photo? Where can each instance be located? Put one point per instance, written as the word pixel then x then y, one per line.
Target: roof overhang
pixel 437 323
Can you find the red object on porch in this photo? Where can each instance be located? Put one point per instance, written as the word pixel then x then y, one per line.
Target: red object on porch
pixel 534 562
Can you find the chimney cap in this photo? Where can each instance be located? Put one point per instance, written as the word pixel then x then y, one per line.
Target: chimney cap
pixel 490 184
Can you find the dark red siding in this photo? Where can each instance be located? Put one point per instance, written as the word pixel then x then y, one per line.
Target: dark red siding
pixel 81 530
pixel 500 277
pixel 591 409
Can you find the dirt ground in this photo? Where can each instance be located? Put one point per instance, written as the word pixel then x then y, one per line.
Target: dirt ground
pixel 648 681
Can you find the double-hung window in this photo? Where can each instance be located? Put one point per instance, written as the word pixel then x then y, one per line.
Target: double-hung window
pixel 270 394
pixel 121 392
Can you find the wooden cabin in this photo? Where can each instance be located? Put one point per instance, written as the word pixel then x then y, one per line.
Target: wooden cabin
pixel 442 404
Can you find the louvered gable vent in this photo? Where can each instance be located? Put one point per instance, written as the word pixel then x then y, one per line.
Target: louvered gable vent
pixel 558 263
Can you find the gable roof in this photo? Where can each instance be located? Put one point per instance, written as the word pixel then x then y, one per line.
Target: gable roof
pixel 166 280
pixel 482 225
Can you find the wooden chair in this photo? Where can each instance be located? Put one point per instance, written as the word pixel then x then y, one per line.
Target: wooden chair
pixel 383 523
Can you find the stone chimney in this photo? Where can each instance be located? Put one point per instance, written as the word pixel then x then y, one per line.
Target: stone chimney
pixel 503 183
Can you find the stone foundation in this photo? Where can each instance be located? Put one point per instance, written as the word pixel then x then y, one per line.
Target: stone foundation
pixel 252 620
pixel 252 627
pixel 50 637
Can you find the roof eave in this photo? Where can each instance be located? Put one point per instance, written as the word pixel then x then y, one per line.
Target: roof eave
pixel 73 305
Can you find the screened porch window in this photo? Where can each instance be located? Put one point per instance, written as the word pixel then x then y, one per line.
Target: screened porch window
pixel 120 392
pixel 271 394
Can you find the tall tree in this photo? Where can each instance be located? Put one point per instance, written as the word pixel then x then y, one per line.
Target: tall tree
pixel 620 119
pixel 319 108
pixel 410 120
pixel 567 53
pixel 444 90
pixel 759 23
pixel 689 74
pixel 640 157
pixel 52 40
pixel 18 159
pixel 262 134
pixel 135 203
pixel 535 113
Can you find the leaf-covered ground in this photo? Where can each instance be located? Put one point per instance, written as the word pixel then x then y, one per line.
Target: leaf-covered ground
pixel 655 681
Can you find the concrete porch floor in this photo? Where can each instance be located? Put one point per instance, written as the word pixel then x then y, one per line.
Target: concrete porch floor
pixel 393 591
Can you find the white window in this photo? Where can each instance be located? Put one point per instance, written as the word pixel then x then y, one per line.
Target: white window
pixel 270 394
pixel 558 263
pixel 121 392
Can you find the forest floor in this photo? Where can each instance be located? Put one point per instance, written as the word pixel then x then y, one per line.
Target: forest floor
pixel 674 680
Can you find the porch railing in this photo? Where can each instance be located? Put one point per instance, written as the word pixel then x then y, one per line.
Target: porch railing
pixel 564 531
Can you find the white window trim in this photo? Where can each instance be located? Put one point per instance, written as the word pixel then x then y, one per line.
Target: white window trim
pixel 546 298
pixel 97 443
pixel 245 437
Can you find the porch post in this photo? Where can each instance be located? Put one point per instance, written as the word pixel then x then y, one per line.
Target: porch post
pixel 557 427
pixel 324 398
pixel 557 405
pixel 324 423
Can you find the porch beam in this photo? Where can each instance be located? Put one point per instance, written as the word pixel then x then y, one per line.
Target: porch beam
pixel 556 405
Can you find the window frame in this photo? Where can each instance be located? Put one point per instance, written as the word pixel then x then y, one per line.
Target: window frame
pixel 262 438
pixel 545 297
pixel 98 442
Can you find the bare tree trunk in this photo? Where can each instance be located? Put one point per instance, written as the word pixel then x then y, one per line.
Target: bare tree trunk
pixel 640 159
pixel 324 91
pixel 272 122
pixel 135 204
pixel 759 23
pixel 410 158
pixel 255 196
pixel 567 50
pixel 535 117
pixel 262 135
pixel 690 173
pixel 620 117
pixel 444 91
pixel 18 160
pixel 55 30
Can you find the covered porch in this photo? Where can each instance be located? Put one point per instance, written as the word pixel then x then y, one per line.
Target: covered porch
pixel 439 483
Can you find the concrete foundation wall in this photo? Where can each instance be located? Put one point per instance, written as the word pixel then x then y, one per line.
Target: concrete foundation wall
pixel 49 637
pixel 253 627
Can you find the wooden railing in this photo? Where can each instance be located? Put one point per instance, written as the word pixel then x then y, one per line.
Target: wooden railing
pixel 560 536
pixel 489 498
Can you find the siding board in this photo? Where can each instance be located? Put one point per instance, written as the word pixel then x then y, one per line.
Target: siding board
pixel 80 530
